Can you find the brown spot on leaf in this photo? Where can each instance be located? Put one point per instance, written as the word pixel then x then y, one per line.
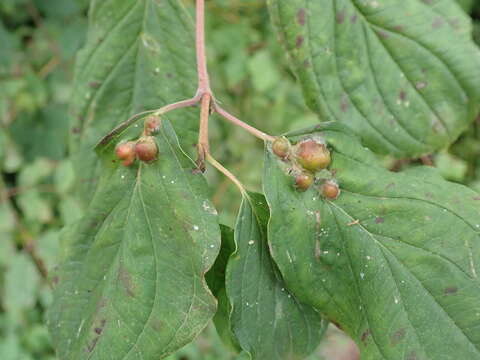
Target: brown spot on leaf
pixel 94 84
pixel 344 103
pixel 306 64
pixel 403 95
pixel 437 23
pixel 354 18
pixel 299 41
pixel 399 28
pixel 92 344
pixel 365 335
pixel 476 198
pixel 341 17
pixel 397 336
pixel 421 85
pixel 55 280
pixel 450 290
pixel 379 220
pixel 383 34
pixel 455 23
pixel 156 324
pixel 412 356
pixel 301 16
pixel 126 280
pixel 75 130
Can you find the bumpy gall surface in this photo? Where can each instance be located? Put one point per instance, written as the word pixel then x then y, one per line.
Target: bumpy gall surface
pixel 281 147
pixel 152 125
pixel 330 190
pixel 126 152
pixel 146 149
pixel 303 181
pixel 313 156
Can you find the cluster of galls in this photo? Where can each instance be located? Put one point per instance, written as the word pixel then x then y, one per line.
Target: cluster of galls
pixel 307 158
pixel 145 149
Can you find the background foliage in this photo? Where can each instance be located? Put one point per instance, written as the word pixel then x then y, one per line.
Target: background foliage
pixel 39 40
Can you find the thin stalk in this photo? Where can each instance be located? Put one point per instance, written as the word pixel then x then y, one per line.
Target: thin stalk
pixel 203 143
pixel 203 79
pixel 254 131
pixel 227 173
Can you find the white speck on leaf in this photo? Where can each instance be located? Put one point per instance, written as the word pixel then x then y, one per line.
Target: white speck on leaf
pixel 362 275
pixel 251 242
pixel 195 227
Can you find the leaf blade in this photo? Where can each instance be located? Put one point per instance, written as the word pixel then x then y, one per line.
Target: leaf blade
pixel 393 260
pixel 268 321
pixel 404 85
pixel 138 56
pixel 132 283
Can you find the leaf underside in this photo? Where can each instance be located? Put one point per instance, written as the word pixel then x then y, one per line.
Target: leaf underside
pixel 267 320
pixel 139 55
pixel 132 284
pixel 394 260
pixel 403 75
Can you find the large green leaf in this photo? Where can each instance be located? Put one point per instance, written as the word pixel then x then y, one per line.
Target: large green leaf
pixel 268 321
pixel 139 56
pixel 394 260
pixel 403 74
pixel 132 282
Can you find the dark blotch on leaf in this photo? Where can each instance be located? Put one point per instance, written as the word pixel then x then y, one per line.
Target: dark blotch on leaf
pixel 365 335
pixel 383 34
pixel 92 344
pixel 402 95
pixel 353 19
pixel 301 16
pixel 437 23
pixel 450 290
pixel 94 84
pixel 412 356
pixel 397 336
pixel 379 220
pixel 341 17
pixel 126 280
pixel 299 41
pixel 344 103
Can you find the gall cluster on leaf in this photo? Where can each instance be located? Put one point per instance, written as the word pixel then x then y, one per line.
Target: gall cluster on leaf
pixel 312 155
pixel 145 149
pixel 330 189
pixel 307 158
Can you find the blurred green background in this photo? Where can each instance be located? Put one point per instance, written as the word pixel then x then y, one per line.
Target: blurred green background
pixel 38 43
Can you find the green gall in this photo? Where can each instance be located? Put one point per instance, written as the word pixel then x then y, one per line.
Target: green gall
pixel 303 181
pixel 281 147
pixel 330 190
pixel 312 156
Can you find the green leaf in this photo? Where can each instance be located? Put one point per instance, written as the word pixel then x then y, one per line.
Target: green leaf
pixel 139 55
pixel 216 282
pixel 21 284
pixel 394 260
pixel 268 321
pixel 466 5
pixel 403 75
pixel 132 281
